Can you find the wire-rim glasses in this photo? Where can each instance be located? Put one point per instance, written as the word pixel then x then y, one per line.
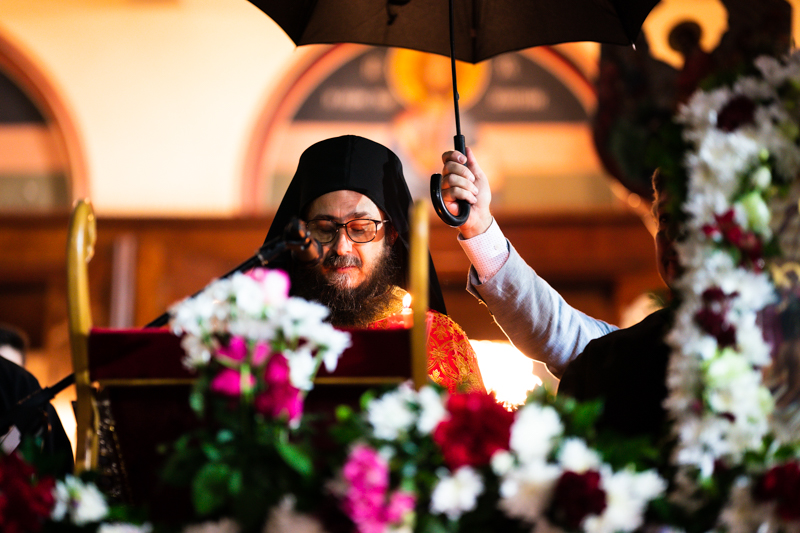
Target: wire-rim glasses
pixel 359 230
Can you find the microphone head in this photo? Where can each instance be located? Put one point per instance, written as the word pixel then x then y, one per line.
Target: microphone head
pixel 305 248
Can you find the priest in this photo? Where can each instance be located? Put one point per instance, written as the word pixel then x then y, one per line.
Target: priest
pixel 351 193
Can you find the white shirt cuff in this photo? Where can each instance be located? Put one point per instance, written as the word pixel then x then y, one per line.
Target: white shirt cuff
pixel 487 252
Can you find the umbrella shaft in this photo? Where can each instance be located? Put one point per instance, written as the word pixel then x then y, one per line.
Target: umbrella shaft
pixel 453 68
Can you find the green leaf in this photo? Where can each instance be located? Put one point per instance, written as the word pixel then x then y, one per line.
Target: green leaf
pixel 294 457
pixel 235 482
pixel 197 401
pixel 225 435
pixel 210 488
pixel 211 451
pixel 344 413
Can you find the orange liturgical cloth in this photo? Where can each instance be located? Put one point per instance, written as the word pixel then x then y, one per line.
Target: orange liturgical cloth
pixel 451 359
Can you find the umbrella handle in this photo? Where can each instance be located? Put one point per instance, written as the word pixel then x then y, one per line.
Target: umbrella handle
pixel 451 220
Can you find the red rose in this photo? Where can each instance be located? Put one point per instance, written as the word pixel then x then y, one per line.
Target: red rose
pixel 25 500
pixel 577 496
pixel 477 427
pixel 781 484
pixel 739 111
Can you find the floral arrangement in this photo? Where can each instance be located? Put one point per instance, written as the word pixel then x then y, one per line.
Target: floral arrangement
pixel 256 351
pixel 32 500
pixel 740 154
pixel 463 462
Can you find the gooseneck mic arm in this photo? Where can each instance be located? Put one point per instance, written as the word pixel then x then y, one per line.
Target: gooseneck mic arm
pixel 295 238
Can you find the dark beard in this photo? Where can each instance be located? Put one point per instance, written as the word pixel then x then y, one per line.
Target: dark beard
pixel 349 307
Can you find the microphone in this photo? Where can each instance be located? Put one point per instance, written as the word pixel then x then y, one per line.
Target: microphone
pixel 305 249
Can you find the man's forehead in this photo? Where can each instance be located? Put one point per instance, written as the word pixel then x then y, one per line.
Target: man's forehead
pixel 343 204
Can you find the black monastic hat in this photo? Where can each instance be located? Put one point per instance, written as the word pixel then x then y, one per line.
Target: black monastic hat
pixel 363 166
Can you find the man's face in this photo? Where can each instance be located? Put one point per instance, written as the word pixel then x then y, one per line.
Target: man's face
pixel 346 264
pixel 12 354
pixel 666 256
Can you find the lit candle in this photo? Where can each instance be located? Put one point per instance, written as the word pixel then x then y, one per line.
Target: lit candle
pixel 407 313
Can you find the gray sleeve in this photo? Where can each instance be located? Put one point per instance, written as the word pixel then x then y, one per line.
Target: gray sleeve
pixel 534 317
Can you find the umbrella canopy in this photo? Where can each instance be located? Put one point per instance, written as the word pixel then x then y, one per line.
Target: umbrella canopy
pixel 481 28
pixel 469 30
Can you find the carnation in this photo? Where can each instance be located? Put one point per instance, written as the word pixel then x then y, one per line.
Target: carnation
pixel 432 410
pixel 391 414
pixel 534 432
pixel 457 493
pixel 476 427
pixel 82 502
pixel 526 491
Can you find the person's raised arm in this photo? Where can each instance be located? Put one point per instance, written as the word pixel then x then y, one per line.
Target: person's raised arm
pixel 531 313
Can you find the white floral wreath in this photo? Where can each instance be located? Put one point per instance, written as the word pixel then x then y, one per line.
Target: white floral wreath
pixel 743 145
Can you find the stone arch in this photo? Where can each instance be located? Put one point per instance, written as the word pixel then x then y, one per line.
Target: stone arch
pixel 33 79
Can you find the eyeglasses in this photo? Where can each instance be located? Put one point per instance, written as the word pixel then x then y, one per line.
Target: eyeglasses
pixel 360 230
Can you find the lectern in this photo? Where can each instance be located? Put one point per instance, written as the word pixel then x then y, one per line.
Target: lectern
pixel 132 388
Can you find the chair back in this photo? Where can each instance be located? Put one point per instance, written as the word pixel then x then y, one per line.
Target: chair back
pixel 80 249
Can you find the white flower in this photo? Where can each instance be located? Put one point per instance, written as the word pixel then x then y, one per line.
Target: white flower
pixel 197 353
pixel 274 287
pixel 577 457
pixel 502 462
pixel 627 496
pixel 454 495
pixel 82 502
pixel 391 414
pixel 332 342
pixel 432 410
pixel 301 367
pixel 534 432
pixel 119 527
pixel 248 294
pixel 526 491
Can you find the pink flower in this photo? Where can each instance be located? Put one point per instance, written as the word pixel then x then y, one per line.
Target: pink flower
pixel 368 502
pixel 236 350
pixel 400 503
pixel 229 382
pixel 261 352
pixel 274 282
pixel 280 398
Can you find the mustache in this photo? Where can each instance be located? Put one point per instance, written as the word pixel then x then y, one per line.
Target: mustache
pixel 341 261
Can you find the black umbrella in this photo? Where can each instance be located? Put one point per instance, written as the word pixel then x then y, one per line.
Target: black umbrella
pixel 479 29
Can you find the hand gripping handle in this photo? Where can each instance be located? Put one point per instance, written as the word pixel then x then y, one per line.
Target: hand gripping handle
pixel 436 194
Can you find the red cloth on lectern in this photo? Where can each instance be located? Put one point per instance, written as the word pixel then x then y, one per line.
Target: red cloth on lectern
pixel 451 359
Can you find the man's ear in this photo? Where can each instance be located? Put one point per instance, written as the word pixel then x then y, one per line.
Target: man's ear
pixel 391 234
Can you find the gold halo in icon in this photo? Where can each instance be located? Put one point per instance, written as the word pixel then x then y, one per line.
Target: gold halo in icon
pixel 416 78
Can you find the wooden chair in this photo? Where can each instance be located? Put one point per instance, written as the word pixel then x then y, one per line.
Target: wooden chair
pixel 80 248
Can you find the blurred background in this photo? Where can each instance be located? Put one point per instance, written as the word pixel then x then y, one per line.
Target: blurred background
pixel 182 121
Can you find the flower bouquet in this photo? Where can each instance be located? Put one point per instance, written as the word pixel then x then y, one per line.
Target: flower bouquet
pixel 432 462
pixel 33 499
pixel 256 351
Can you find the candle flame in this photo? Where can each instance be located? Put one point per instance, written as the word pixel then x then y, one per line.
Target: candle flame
pixel 406 301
